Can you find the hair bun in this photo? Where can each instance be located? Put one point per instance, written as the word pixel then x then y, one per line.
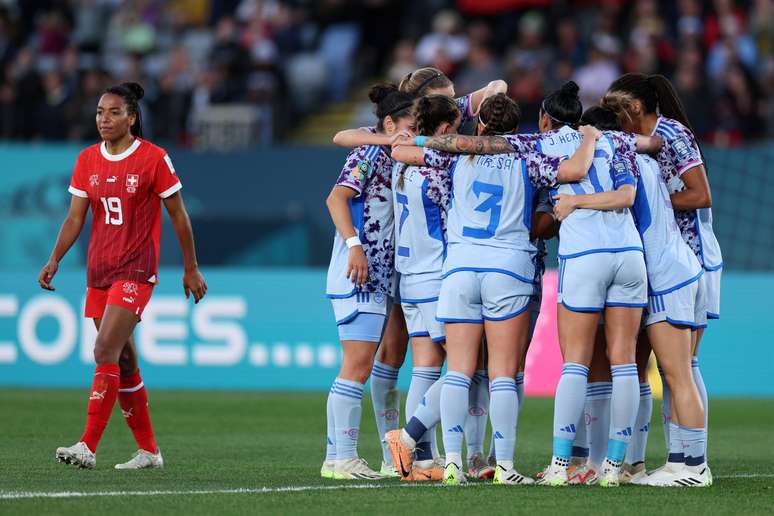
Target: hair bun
pixel 379 92
pixel 569 88
pixel 135 89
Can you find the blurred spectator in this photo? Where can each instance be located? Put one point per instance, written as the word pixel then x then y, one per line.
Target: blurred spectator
pixel 601 69
pixel 445 46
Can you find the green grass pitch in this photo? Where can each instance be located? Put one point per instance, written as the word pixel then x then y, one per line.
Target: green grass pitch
pixel 218 443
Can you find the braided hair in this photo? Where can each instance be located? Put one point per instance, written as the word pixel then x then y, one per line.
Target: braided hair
pixel 499 114
pixel 131 93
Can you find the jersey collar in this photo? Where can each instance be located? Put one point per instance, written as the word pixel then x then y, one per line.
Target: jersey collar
pixel 118 157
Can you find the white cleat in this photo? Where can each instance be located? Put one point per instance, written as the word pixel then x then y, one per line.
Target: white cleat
pixel 453 475
pixel 326 471
pixel 388 471
pixel 632 474
pixel 511 477
pixel 354 469
pixel 583 474
pixel 608 477
pixel 143 459
pixel 554 476
pixel 666 471
pixel 691 476
pixel 78 455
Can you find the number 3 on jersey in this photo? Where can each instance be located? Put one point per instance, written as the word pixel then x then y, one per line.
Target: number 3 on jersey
pixel 113 213
pixel 490 204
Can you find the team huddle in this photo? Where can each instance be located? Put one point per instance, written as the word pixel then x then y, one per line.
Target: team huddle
pixel 440 240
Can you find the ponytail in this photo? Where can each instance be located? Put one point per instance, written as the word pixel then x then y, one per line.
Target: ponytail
pixel 669 104
pixel 390 102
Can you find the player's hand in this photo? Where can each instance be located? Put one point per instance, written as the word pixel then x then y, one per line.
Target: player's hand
pixel 564 205
pixel 357 268
pixel 47 274
pixel 402 137
pixel 193 283
pixel 589 131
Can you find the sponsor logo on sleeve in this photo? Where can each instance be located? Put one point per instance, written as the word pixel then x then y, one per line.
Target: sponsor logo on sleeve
pixel 681 148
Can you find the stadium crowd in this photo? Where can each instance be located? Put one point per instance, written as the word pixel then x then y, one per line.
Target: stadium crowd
pixel 295 57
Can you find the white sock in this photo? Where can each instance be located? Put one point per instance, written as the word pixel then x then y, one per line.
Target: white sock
pixel 568 407
pixel 635 453
pixel 478 410
pixel 598 410
pixel 694 445
pixel 346 400
pixel 504 409
pixel 520 388
pixel 676 452
pixel 454 411
pixel 330 438
pixel 623 410
pixel 698 379
pixel 386 401
pixel 422 378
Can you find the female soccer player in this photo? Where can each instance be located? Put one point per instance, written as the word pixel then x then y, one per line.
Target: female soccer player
pixel 122 179
pixel 360 278
pixel 489 277
pixel 674 304
pixel 618 288
pixel 422 196
pixel 650 105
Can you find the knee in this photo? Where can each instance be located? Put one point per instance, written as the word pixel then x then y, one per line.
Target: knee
pixel 102 353
pixel 620 356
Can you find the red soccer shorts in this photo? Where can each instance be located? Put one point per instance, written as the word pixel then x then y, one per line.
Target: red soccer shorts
pixel 131 295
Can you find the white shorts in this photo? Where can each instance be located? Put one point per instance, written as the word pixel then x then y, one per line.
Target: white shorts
pixel 419 300
pixel 684 307
pixel 590 282
pixel 471 297
pixel 346 309
pixel 712 292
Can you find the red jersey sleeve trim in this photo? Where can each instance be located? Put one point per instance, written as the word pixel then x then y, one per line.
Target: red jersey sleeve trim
pixel 172 189
pixel 78 193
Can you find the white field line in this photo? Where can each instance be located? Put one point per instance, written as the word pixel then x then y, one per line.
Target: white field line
pixel 17 495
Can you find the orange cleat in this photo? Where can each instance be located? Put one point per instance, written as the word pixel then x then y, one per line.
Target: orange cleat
pixel 402 455
pixel 434 473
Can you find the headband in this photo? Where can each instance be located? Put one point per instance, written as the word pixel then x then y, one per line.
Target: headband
pixel 400 107
pixel 428 81
pixel 543 107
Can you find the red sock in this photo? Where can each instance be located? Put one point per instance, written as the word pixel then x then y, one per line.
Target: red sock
pixel 101 400
pixel 134 404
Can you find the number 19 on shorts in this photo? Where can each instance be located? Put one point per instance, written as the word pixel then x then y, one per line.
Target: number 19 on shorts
pixel 113 213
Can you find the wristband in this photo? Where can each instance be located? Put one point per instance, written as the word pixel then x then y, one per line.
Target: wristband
pixel 353 241
pixel 419 141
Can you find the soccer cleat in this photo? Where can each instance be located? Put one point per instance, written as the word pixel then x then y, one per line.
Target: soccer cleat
pixel 632 474
pixel 326 471
pixel 553 476
pixel 425 470
pixel 479 468
pixel 583 474
pixel 143 459
pixel 402 453
pixel 698 476
pixel 453 475
pixel 388 471
pixel 665 471
pixel 78 455
pixel 511 477
pixel 608 477
pixel 354 469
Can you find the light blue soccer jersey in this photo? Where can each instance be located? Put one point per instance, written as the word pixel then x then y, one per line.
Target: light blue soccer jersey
pixel 420 208
pixel 671 263
pixel 367 171
pixel 679 154
pixel 491 211
pixel 588 231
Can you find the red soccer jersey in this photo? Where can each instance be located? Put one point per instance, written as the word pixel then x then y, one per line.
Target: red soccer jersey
pixel 125 192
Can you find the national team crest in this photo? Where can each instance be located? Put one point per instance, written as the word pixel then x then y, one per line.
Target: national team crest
pixel 681 148
pixel 94 180
pixel 130 287
pixel 132 182
pixel 361 171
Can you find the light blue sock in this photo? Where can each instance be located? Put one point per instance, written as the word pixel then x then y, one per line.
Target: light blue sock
pixel 330 439
pixel 568 408
pixel 676 452
pixel 666 408
pixel 520 388
pixel 346 396
pixel 694 445
pixel 422 378
pixel 597 410
pixel 580 446
pixel 504 409
pixel 635 453
pixel 454 411
pixel 386 401
pixel 623 410
pixel 699 381
pixel 478 411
